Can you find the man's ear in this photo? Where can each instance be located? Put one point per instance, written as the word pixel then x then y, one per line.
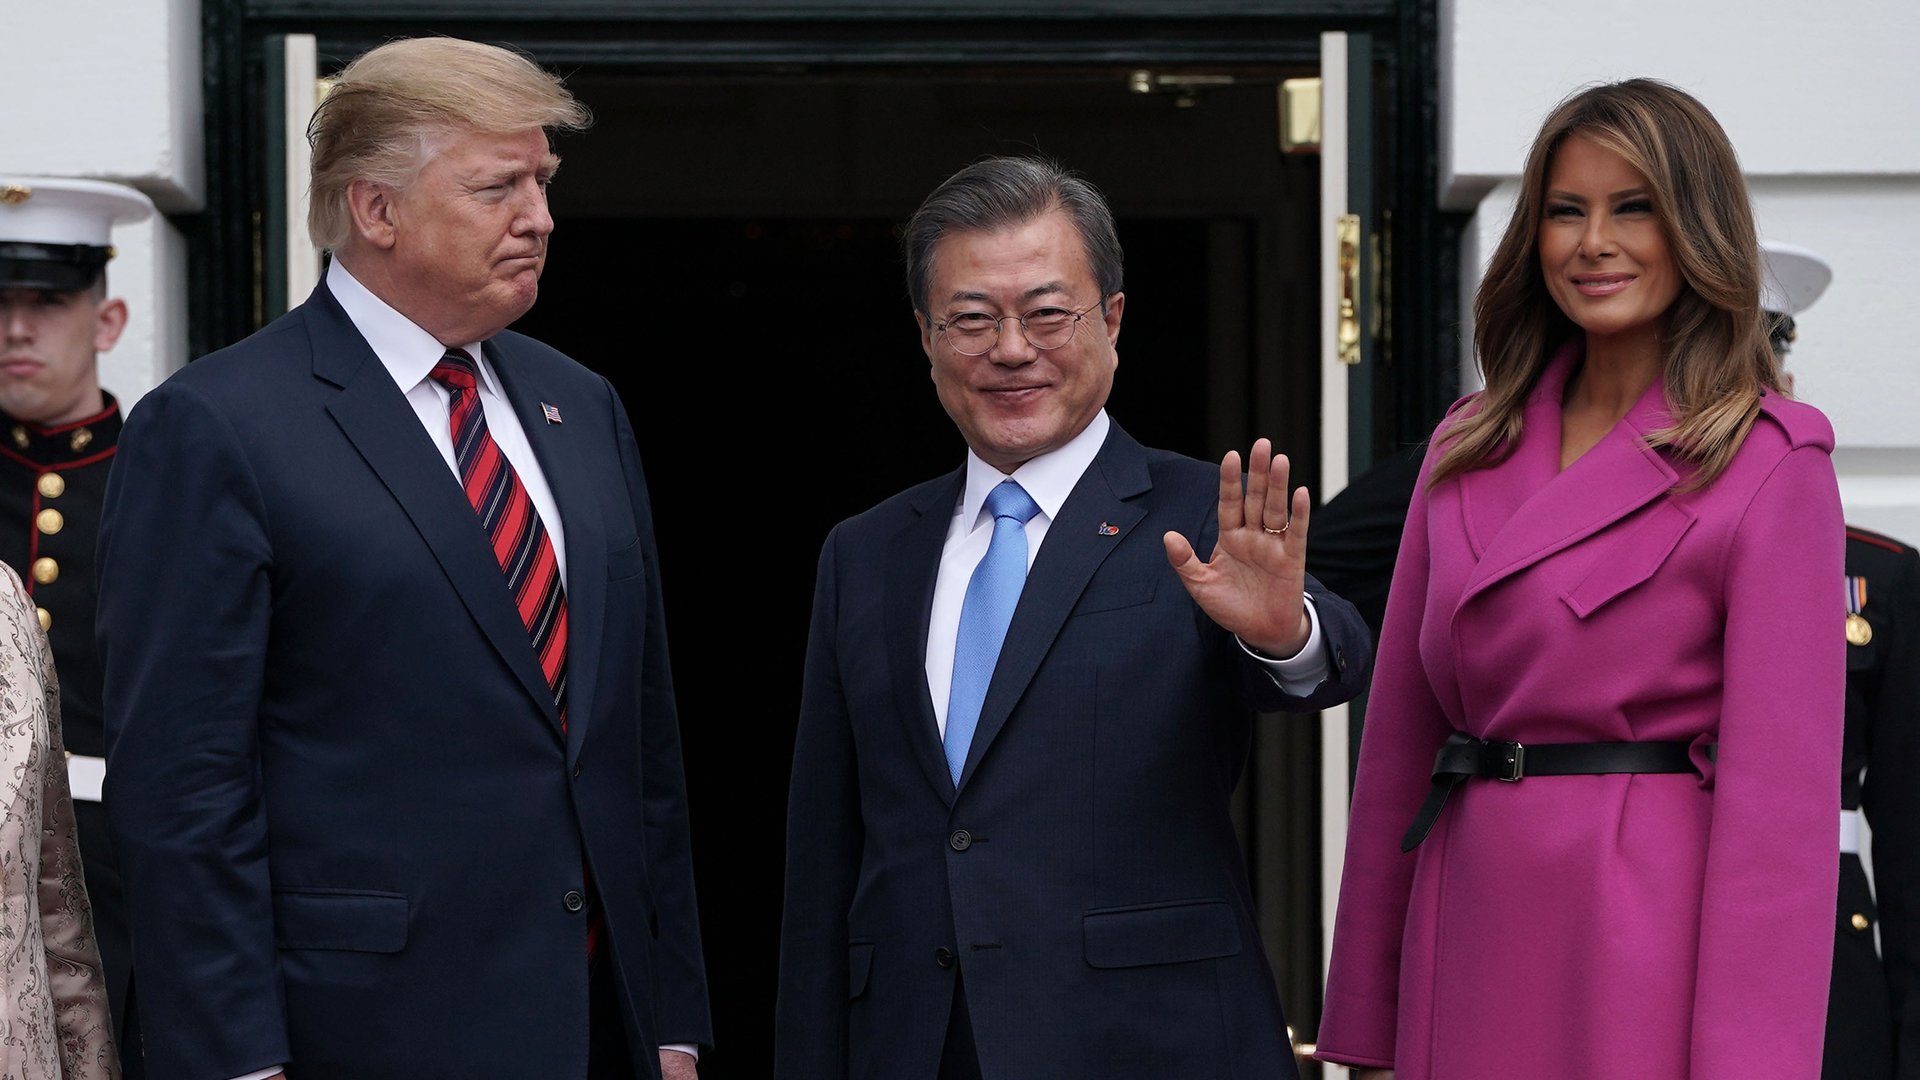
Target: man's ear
pixel 926 333
pixel 1112 308
pixel 372 207
pixel 110 322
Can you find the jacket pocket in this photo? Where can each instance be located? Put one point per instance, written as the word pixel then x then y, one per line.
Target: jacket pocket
pixel 351 920
pixel 1124 594
pixel 625 562
pixel 1169 933
pixel 859 964
pixel 1631 559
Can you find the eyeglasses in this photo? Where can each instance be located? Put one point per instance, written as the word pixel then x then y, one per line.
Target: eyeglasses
pixel 975 333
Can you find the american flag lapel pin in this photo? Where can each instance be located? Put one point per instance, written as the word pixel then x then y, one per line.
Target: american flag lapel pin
pixel 552 412
pixel 1109 530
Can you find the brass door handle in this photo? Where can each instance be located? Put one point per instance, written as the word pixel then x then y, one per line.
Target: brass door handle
pixel 1347 236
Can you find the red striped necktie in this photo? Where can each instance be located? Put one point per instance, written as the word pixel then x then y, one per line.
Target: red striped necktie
pixel 507 513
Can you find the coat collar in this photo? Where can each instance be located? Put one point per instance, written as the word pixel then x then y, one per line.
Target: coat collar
pixel 376 418
pixel 1094 521
pixel 564 461
pixel 1527 508
pixel 1078 541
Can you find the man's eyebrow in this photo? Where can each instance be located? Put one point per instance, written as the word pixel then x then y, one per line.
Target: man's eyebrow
pixel 1042 290
pixel 963 295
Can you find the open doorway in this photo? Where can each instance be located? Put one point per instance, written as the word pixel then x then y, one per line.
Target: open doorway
pixel 727 256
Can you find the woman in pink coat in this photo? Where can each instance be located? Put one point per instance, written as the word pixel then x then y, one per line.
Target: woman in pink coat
pixel 1613 623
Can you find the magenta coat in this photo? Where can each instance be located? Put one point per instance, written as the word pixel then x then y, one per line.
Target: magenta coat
pixel 1630 926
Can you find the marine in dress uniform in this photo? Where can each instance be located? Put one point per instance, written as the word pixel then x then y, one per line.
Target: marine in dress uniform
pixel 1873 1012
pixel 58 432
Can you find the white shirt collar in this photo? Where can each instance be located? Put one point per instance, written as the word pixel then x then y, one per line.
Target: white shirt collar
pixel 408 352
pixel 1048 479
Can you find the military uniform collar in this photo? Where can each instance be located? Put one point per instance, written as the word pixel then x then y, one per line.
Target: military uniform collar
pixel 74 443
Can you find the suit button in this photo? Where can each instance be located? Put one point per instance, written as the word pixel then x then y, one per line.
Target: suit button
pixel 45 571
pixel 46 618
pixel 573 901
pixel 576 772
pixel 1861 922
pixel 50 521
pixel 961 840
pixel 943 956
pixel 52 485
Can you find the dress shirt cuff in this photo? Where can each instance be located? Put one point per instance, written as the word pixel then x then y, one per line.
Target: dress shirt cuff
pixel 1300 673
pixel 688 1049
pixel 263 1073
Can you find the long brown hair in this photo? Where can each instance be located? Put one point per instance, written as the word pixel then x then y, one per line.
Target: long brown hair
pixel 1717 358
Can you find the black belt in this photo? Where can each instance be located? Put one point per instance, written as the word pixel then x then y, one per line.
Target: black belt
pixel 1463 756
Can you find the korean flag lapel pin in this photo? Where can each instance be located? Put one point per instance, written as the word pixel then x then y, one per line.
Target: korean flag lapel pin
pixel 551 412
pixel 1109 530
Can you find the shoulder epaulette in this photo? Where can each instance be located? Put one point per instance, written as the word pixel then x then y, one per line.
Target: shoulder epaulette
pixel 1804 425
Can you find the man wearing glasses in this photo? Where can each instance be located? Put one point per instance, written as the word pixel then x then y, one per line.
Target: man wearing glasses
pixel 1030 690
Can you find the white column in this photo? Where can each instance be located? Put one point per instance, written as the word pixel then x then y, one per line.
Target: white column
pixel 1333 453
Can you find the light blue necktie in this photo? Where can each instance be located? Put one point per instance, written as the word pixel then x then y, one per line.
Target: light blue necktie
pixel 992 594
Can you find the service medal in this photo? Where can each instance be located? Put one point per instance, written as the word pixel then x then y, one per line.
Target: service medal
pixel 1859 631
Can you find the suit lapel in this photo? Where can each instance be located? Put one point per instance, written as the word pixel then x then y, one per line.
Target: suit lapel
pixel 383 427
pixel 560 455
pixel 1075 546
pixel 1619 475
pixel 913 565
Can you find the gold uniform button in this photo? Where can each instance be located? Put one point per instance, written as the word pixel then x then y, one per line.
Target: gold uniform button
pixel 1860 922
pixel 46 571
pixel 50 521
pixel 52 485
pixel 20 436
pixel 46 618
pixel 81 437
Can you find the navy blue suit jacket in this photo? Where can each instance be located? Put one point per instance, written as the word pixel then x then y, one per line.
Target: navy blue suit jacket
pixel 1085 872
pixel 346 810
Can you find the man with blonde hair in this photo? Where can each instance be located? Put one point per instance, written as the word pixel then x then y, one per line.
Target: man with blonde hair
pixel 393 761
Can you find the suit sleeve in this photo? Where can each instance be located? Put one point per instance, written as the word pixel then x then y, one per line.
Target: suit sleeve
pixel 1404 728
pixel 825 835
pixel 1766 916
pixel 184 565
pixel 679 971
pixel 1892 802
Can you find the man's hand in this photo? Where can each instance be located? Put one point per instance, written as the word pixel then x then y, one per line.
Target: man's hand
pixel 675 1065
pixel 1254 586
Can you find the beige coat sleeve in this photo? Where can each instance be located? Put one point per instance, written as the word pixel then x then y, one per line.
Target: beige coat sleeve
pixel 74 975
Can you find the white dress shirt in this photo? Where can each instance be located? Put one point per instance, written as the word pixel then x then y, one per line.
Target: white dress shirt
pixel 1048 479
pixel 409 355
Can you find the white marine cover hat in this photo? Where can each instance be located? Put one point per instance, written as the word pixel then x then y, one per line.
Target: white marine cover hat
pixel 1791 278
pixel 56 233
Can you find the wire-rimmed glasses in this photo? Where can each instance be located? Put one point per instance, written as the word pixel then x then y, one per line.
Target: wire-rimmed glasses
pixel 975 333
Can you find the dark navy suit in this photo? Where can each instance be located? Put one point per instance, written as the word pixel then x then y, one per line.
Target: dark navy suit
pixel 353 830
pixel 1084 879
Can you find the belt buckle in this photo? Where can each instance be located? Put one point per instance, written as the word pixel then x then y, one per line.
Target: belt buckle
pixel 1513 763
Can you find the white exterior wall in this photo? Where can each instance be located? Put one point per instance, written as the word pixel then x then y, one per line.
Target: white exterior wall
pixel 1816 98
pixel 110 90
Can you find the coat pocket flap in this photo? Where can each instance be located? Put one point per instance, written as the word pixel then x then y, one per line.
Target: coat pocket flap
pixel 1124 594
pixel 1170 933
pixel 859 964
pixel 1631 559
pixel 345 919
